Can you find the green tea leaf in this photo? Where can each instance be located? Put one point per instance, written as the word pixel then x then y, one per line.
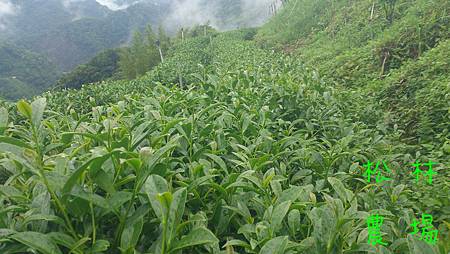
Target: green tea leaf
pixel 218 160
pixel 38 107
pixel 176 212
pixel 417 246
pixel 279 212
pixel 294 220
pixel 62 239
pixel 100 246
pixel 276 245
pixel 37 241
pixel 131 234
pixel 155 185
pixel 75 176
pixel 340 189
pixel 3 119
pixel 198 236
pixel 240 243
pixel 24 108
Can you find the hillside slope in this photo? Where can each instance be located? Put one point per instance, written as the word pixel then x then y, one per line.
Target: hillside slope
pixel 53 36
pixel 102 67
pixel 379 48
pixel 71 33
pixel 224 148
pixel 24 73
pixel 75 42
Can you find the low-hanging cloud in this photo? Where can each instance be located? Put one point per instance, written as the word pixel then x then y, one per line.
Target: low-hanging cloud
pixel 182 13
pixel 191 12
pixel 7 9
pixel 186 13
pixel 257 11
pixel 114 5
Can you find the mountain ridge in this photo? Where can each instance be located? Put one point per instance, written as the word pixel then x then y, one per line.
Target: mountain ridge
pixel 69 33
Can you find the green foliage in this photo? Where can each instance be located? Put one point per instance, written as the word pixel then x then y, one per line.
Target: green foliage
pixel 420 102
pixel 11 89
pixel 199 30
pixel 195 31
pixel 164 40
pixel 102 67
pixel 46 39
pixel 23 73
pixel 389 9
pixel 296 20
pixel 142 55
pixel 186 58
pixel 69 40
pixel 356 42
pixel 256 153
pixel 382 49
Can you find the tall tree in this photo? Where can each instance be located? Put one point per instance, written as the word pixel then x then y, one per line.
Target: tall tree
pixel 127 64
pixel 140 54
pixel 151 48
pixel 163 39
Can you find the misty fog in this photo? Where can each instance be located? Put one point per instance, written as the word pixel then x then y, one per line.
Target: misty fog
pixel 182 13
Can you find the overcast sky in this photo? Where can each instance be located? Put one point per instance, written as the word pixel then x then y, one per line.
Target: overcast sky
pixel 183 12
pixel 6 9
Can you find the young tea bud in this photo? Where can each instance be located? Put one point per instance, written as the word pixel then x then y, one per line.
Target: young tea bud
pixel 145 152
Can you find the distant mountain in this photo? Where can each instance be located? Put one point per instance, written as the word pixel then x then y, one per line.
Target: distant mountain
pixel 49 37
pixel 63 34
pixel 87 8
pixel 23 72
pixel 102 67
pixel 71 34
pixel 36 17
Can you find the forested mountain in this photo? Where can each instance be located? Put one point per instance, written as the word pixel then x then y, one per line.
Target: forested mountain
pixel 102 67
pixel 71 32
pixel 23 72
pixel 47 38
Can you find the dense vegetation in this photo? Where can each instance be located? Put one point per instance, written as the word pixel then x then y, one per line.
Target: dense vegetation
pixel 145 52
pixel 23 72
pixel 102 67
pixel 69 37
pixel 379 48
pixel 72 33
pixel 51 37
pixel 142 55
pixel 228 148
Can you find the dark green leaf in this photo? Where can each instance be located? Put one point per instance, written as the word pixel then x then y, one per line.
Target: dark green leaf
pixel 37 241
pixel 198 236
